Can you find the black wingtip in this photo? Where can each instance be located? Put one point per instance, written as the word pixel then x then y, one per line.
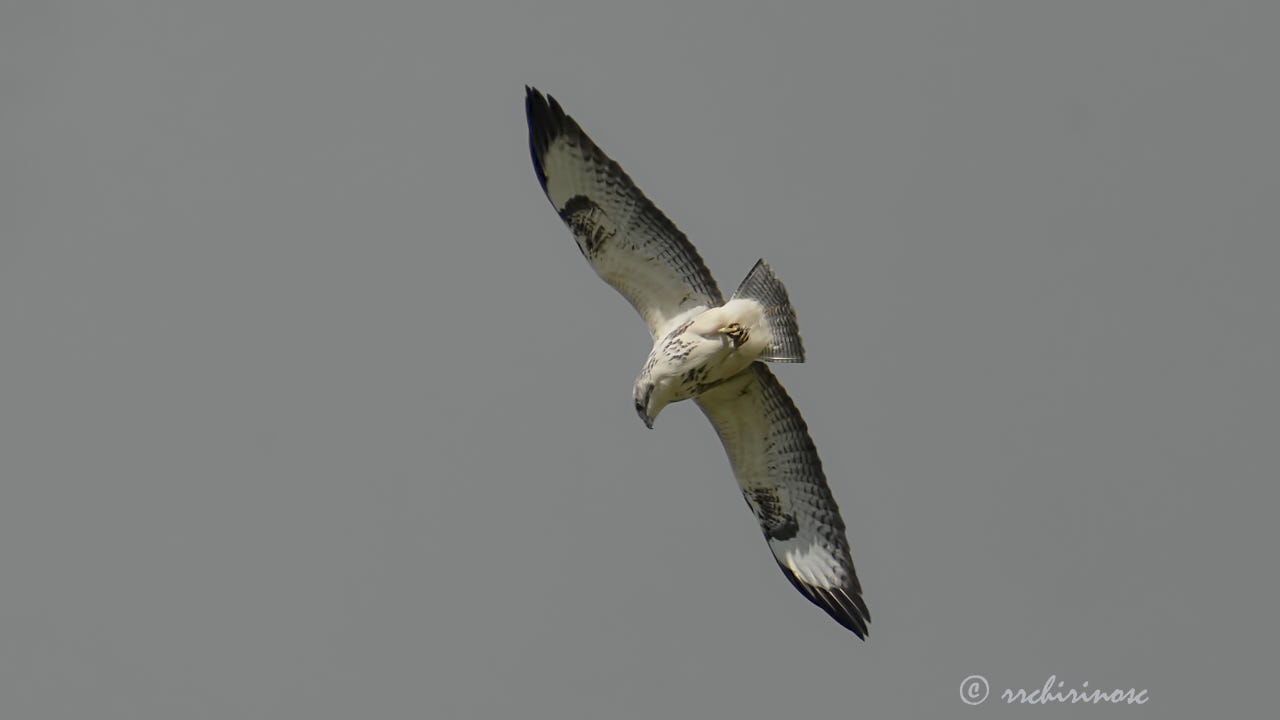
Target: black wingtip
pixel 547 122
pixel 845 605
pixel 538 114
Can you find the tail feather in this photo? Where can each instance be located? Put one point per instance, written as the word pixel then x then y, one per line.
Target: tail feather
pixel 764 287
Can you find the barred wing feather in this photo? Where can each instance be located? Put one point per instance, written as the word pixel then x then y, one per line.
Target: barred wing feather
pixel 778 469
pixel 627 240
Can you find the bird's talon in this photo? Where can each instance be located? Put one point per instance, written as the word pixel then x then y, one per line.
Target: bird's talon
pixel 735 332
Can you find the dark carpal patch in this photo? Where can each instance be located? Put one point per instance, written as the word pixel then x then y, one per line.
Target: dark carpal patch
pixel 777 524
pixel 590 225
pixel 636 232
pixel 786 530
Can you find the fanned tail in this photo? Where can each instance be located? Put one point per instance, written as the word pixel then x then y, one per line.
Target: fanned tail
pixel 762 286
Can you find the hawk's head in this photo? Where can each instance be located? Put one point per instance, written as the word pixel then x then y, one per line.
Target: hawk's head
pixel 643 394
pixel 648 403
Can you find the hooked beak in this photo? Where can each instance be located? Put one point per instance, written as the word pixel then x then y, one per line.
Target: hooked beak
pixel 642 405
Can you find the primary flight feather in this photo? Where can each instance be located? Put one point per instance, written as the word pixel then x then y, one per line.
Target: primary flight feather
pixel 707 350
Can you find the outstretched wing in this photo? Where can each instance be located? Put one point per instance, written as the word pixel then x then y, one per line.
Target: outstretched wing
pixel 781 478
pixel 628 240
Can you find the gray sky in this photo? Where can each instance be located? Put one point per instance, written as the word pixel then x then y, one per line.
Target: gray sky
pixel 310 408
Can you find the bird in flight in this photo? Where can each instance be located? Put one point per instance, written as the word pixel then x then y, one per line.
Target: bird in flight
pixel 708 350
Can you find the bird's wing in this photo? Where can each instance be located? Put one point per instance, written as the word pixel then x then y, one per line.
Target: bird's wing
pixel 781 478
pixel 628 240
